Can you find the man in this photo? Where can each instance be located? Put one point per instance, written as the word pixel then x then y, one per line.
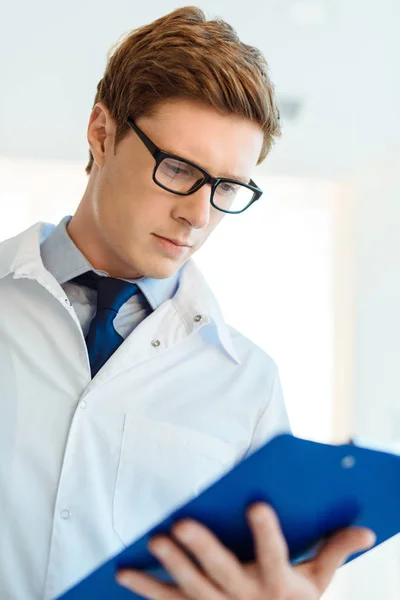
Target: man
pixel 124 392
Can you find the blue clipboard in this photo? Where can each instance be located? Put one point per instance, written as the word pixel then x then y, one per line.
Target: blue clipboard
pixel 314 488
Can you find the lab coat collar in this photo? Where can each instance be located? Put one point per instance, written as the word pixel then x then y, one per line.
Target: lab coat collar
pixel 194 297
pixel 196 304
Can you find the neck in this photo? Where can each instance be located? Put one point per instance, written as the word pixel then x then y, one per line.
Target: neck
pixel 85 234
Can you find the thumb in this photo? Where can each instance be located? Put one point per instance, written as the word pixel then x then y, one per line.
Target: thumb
pixel 335 552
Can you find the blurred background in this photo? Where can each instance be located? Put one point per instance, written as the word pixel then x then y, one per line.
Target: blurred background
pixel 323 245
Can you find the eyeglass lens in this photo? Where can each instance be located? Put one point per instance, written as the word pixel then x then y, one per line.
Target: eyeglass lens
pixel 178 176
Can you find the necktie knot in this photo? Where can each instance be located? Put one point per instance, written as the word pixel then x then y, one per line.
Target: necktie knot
pixel 111 293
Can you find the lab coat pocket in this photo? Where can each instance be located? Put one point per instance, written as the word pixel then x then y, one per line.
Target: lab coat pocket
pixel 162 466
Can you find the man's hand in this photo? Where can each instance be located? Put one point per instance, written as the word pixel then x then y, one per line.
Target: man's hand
pixel 223 577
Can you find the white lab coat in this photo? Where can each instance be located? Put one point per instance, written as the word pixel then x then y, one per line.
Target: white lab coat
pixel 87 466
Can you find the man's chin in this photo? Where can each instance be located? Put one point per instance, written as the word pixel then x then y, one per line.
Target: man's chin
pixel 162 269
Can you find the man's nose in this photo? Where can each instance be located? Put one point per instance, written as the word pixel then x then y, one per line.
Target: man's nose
pixel 195 208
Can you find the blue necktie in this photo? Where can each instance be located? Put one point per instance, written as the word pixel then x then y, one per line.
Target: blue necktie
pixel 102 340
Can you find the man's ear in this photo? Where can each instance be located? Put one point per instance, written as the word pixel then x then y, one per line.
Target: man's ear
pixel 100 133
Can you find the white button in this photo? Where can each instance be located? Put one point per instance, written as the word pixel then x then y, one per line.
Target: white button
pixel 83 404
pixel 348 462
pixel 155 343
pixel 67 302
pixel 197 318
pixel 65 514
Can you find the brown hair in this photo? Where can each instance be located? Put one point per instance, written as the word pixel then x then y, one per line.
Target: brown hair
pixel 182 55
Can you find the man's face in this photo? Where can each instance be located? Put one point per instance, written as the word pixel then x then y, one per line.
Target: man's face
pixel 130 215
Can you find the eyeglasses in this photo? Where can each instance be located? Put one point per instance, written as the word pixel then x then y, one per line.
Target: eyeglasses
pixel 180 176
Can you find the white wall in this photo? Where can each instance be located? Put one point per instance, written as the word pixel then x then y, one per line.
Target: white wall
pixel 272 272
pixel 376 413
pixel 342 68
pixel 367 324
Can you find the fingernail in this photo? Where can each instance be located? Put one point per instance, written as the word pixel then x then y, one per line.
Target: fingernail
pixel 371 539
pixel 184 533
pixel 122 578
pixel 258 515
pixel 160 549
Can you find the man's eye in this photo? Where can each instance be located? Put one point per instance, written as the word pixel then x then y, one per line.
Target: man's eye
pixel 228 188
pixel 176 169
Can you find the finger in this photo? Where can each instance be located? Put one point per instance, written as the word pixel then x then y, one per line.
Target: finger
pixel 190 580
pixel 270 547
pixel 335 552
pixel 148 587
pixel 220 564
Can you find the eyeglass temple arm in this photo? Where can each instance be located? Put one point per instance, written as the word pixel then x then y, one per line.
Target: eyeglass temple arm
pixel 146 141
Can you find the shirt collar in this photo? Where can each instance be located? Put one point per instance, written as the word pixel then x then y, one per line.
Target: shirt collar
pixel 192 298
pixel 63 259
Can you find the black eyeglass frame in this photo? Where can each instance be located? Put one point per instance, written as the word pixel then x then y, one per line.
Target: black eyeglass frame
pixel 159 155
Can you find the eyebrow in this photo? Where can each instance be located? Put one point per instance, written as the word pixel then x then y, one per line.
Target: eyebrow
pixel 237 178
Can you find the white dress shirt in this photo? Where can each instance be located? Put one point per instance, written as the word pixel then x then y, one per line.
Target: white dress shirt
pixel 64 261
pixel 88 465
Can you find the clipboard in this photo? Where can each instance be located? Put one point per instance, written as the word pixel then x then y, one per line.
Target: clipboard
pixel 314 488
